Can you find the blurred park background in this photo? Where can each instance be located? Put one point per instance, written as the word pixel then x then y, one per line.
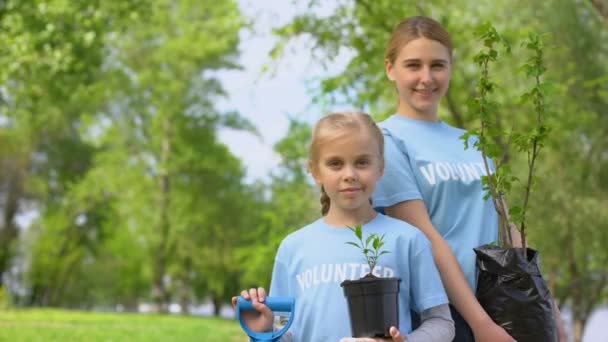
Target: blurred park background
pixel 152 152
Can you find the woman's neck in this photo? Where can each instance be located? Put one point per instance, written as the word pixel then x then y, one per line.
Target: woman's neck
pixel 411 113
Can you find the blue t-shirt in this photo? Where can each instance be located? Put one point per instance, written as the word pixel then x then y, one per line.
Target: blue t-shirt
pixel 312 262
pixel 428 161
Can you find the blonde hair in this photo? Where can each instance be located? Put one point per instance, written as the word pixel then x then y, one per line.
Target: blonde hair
pixel 335 125
pixel 413 28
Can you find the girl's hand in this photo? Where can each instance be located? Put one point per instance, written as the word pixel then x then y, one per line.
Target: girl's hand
pixel 395 337
pixel 260 320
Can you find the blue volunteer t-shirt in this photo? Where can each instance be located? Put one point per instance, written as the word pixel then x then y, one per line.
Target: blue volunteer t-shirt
pixel 428 161
pixel 312 262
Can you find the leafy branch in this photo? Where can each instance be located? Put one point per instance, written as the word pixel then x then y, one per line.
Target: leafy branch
pixel 371 247
pixel 532 142
pixel 499 183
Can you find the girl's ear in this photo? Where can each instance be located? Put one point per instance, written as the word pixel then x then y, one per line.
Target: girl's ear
pixel 389 69
pixel 314 171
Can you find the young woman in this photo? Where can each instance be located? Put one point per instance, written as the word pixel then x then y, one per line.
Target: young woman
pixel 430 180
pixel 346 160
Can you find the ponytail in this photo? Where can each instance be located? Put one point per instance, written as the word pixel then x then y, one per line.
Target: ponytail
pixel 324 202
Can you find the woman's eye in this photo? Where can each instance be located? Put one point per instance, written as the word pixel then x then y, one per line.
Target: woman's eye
pixel 412 66
pixel 438 66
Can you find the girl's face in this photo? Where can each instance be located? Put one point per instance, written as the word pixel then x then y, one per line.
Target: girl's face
pixel 421 73
pixel 348 168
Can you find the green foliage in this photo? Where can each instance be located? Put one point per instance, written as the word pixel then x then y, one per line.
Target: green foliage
pixel 121 121
pixel 498 182
pixel 371 247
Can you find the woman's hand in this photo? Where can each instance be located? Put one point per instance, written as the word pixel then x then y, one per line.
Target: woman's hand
pixel 395 337
pixel 260 320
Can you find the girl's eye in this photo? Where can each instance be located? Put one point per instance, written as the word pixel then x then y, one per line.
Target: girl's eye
pixel 363 162
pixel 438 66
pixel 334 163
pixel 412 66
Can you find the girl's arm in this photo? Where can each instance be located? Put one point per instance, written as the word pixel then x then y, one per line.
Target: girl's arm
pixel 458 290
pixel 436 325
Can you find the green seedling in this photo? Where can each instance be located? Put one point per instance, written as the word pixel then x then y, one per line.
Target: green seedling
pixel 371 247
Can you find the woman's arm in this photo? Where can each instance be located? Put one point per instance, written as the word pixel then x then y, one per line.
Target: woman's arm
pixel 458 290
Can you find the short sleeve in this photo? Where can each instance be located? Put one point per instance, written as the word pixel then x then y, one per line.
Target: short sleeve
pixel 280 287
pixel 398 184
pixel 426 289
pixel 279 284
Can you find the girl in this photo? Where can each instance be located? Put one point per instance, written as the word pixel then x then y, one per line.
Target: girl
pixel 346 160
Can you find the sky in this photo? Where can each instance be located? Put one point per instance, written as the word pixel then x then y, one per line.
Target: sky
pixel 268 100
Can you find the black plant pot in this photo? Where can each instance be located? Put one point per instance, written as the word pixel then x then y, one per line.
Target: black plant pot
pixel 513 292
pixel 373 305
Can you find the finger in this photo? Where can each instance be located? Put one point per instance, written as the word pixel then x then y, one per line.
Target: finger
pixel 245 294
pixel 262 308
pixel 261 294
pixel 253 293
pixel 396 334
pixel 233 300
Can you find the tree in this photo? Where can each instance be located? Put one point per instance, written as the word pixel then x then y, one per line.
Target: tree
pixel 150 158
pixel 51 60
pixel 162 112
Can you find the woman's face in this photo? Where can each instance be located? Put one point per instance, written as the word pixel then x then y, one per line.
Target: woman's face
pixel 421 72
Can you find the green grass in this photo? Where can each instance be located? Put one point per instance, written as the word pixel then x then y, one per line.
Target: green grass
pixel 61 325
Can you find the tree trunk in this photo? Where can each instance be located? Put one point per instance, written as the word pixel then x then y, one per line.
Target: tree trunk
pixel 9 231
pixel 217 305
pixel 159 292
pixel 131 304
pixel 579 325
pixel 602 7
pixel 184 296
pixel 184 289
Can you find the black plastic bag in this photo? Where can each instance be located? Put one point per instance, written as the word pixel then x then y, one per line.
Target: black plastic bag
pixel 514 294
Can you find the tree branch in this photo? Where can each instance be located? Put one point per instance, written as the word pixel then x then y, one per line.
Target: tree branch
pixel 458 120
pixel 602 7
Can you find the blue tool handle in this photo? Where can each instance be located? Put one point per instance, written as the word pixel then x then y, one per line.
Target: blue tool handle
pixel 280 304
pixel 276 304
